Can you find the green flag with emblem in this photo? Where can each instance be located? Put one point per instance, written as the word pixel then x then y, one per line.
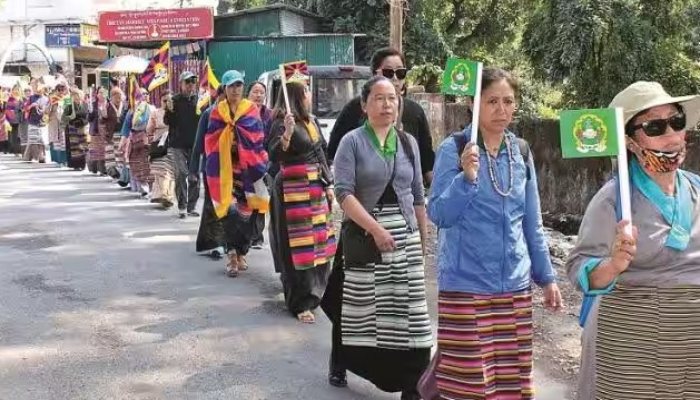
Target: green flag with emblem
pixel 589 133
pixel 460 77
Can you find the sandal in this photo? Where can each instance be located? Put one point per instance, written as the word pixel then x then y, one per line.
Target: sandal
pixel 232 267
pixel 242 263
pixel 306 317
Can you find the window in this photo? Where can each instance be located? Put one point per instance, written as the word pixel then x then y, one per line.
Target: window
pixel 331 95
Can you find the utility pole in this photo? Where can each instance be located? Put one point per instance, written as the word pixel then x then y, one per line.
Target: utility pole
pixel 396 24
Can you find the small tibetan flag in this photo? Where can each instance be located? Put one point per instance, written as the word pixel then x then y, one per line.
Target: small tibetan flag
pixel 207 77
pixel 133 87
pixel 207 85
pixel 589 133
pixel 157 73
pixel 460 77
pixel 297 71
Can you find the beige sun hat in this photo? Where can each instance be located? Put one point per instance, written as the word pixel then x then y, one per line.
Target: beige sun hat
pixel 643 95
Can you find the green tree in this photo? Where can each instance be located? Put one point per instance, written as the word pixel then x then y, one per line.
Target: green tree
pixel 597 47
pixel 226 6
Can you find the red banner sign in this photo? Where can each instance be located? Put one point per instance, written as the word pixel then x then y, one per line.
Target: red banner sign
pixel 156 25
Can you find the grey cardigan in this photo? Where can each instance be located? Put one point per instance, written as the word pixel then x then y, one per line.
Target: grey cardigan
pixel 362 172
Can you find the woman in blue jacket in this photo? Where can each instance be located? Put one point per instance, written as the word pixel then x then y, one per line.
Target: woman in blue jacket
pixel 491 247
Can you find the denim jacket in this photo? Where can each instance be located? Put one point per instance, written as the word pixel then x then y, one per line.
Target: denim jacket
pixel 488 244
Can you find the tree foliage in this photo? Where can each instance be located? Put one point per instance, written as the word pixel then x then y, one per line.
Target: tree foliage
pixel 226 6
pixel 597 47
pixel 567 53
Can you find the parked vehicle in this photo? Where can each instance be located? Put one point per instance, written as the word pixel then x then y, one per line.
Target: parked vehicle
pixel 332 86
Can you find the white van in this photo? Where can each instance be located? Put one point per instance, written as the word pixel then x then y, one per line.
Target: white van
pixel 332 86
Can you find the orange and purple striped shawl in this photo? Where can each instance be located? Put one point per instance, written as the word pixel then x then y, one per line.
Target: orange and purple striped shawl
pixel 232 182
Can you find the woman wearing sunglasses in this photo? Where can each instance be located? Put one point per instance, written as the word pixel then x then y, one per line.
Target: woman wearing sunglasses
pixel 640 338
pixel 391 64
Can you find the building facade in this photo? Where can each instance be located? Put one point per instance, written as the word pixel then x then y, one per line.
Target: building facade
pixel 34 34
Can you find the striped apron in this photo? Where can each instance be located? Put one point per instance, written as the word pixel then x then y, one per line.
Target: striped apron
pixel 384 305
pixel 308 218
pixel 485 346
pixel 648 344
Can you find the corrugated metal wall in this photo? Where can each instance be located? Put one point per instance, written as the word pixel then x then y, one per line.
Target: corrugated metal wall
pixel 257 24
pixel 258 56
pixel 291 23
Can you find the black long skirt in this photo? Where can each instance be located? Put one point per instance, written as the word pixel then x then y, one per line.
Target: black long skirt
pixel 389 370
pixel 76 148
pixel 211 229
pixel 303 289
pixel 15 142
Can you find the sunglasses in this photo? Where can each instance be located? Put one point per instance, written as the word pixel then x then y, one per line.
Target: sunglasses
pixel 191 81
pixel 657 127
pixel 389 73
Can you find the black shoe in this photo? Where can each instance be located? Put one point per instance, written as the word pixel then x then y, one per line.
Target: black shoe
pixel 183 215
pixel 411 394
pixel 193 213
pixel 215 255
pixel 338 379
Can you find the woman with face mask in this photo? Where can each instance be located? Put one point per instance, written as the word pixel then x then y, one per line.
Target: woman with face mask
pixel 640 337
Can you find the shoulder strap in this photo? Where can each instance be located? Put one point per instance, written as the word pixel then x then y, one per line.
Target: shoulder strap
pixel 524 147
pixel 461 142
pixel 406 144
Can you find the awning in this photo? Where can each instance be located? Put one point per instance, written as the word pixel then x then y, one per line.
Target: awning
pixel 126 64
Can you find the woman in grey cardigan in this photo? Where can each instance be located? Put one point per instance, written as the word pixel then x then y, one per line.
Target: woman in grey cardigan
pixel 376 296
pixel 641 338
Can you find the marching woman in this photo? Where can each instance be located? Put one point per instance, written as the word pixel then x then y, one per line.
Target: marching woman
pixel 640 337
pixel 491 248
pixel 74 121
pixel 257 93
pixel 57 139
pixel 137 147
pixel 13 112
pixel 236 162
pixel 210 236
pixel 36 111
pixel 302 234
pixel 376 296
pixel 162 167
pixel 99 136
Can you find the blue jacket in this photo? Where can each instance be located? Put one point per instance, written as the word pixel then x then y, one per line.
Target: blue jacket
pixel 198 159
pixel 488 244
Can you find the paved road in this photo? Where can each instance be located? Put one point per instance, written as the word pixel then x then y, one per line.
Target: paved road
pixel 102 297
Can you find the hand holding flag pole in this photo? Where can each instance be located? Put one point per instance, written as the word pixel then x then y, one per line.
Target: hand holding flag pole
pixel 284 88
pixel 623 170
pixel 476 107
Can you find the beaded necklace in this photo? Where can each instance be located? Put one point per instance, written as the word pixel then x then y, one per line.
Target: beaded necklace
pixel 492 173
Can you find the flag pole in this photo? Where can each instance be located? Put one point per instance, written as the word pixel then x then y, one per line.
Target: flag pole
pixel 170 68
pixel 476 108
pixel 207 68
pixel 623 169
pixel 284 88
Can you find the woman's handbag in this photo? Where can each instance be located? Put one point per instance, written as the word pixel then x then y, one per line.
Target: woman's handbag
pixel 159 149
pixel 359 248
